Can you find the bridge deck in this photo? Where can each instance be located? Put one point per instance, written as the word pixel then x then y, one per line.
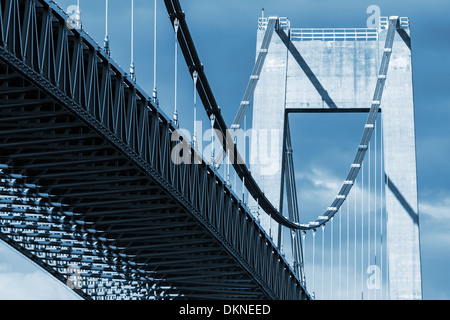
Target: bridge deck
pixel 87 180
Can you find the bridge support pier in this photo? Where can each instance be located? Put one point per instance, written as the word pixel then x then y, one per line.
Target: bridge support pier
pixel 403 243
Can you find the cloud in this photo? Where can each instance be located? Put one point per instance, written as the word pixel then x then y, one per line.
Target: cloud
pixel 317 189
pixel 35 285
pixel 320 178
pixel 435 225
pixel 438 211
pixel 22 279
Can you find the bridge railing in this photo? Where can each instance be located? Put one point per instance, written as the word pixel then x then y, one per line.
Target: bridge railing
pixel 334 34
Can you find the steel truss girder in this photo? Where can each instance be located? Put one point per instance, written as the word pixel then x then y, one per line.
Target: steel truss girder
pixel 64 70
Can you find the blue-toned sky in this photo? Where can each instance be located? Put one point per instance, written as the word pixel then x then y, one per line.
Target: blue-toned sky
pixel 225 35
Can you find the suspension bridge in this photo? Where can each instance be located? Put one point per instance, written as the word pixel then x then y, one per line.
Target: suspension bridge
pixel 105 192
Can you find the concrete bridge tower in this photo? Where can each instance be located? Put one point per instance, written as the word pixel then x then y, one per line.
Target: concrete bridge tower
pixel 314 70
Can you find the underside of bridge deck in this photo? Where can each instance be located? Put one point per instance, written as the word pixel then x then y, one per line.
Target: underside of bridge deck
pixel 71 199
pixel 88 187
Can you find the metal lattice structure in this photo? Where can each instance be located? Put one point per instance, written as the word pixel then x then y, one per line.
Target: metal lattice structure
pixel 87 181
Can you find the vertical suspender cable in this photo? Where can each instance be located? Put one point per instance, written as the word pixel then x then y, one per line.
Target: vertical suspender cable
pixel 354 253
pixel 195 79
pixel 155 93
pixel 340 247
pixel 280 240
pixel 226 168
pixel 176 25
pixel 245 140
pixel 132 31
pixel 213 120
pixel 314 263
pixel 257 211
pixel 362 229
pixel 323 258
pixel 243 190
pixel 381 204
pixel 132 68
pixel 331 258
pixel 382 184
pixel 290 211
pixel 348 247
pixel 270 227
pixel 244 157
pixel 387 258
pixel 303 254
pixel 235 181
pixel 224 157
pixel 368 213
pixel 375 203
pixel 227 177
pixel 106 42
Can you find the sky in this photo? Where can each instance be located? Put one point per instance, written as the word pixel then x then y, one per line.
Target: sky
pixel 225 36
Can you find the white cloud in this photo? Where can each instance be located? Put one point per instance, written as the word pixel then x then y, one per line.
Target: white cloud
pixel 439 211
pixel 317 189
pixel 320 178
pixel 21 279
pixel 35 285
pixel 435 224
